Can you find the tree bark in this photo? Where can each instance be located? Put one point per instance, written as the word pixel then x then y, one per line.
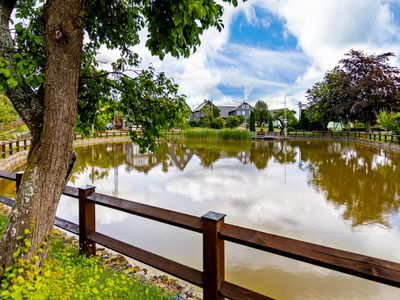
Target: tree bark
pixel 50 156
pixel 368 126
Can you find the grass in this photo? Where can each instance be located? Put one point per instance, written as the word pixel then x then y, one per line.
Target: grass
pixel 217 134
pixel 3 222
pixel 14 133
pixel 68 275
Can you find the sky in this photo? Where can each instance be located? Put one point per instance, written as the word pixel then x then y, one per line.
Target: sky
pixel 270 49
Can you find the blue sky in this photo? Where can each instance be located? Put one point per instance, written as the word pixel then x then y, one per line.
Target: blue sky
pixel 272 48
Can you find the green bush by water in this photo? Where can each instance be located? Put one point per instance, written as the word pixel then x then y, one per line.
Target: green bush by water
pixel 223 134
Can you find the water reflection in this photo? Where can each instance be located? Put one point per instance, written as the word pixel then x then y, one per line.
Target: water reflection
pixel 341 195
pixel 362 180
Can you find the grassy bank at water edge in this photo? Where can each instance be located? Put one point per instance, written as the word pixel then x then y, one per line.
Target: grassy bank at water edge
pixel 68 275
pixel 217 134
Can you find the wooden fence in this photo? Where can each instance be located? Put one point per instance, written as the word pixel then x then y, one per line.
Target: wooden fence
pixel 365 136
pixel 10 147
pixel 215 232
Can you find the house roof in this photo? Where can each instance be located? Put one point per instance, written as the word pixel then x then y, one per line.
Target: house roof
pixel 238 106
pixel 224 110
pixel 205 102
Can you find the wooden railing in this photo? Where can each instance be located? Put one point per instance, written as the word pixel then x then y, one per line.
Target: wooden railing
pixel 365 136
pixel 8 148
pixel 106 134
pixel 215 232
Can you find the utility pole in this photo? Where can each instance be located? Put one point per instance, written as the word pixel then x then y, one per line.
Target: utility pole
pixel 285 120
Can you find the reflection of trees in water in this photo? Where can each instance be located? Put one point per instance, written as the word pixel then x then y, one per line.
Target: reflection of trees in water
pixel 7 188
pixel 284 153
pixel 358 178
pixel 355 177
pixel 99 159
pixel 260 154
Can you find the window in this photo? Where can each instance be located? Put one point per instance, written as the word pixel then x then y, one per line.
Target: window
pixel 243 106
pixel 243 113
pixel 247 106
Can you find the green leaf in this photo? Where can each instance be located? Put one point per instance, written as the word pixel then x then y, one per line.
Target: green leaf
pixel 5 72
pixel 12 83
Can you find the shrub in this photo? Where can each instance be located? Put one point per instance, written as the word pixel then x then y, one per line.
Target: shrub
pixel 233 121
pixel 194 123
pixel 217 123
pixel 388 120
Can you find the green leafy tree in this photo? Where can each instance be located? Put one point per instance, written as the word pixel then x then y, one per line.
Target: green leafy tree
pixel 358 88
pixel 252 122
pixel 320 108
pixel 47 66
pixel 210 112
pixel 7 112
pixel 261 113
pixel 144 98
pixel 291 119
pixel 388 120
pixel 270 124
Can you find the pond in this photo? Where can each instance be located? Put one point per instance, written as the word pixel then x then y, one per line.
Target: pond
pixel 337 194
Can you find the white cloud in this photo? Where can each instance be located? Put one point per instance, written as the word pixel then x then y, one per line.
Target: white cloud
pixel 324 30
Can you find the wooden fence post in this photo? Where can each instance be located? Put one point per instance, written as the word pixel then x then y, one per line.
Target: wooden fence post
pixel 17 145
pixel 213 255
pixel 10 148
pixel 3 150
pixel 25 144
pixel 87 220
pixel 18 177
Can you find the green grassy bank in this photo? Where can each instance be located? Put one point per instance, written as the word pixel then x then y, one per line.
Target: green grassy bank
pixel 217 134
pixel 68 275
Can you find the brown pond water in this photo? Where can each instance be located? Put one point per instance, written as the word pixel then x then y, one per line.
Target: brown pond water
pixel 342 195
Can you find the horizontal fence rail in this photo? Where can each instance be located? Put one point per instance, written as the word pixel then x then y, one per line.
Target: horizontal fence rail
pixel 8 148
pixel 214 231
pixel 381 137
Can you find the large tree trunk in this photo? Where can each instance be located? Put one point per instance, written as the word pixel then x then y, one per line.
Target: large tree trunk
pixel 51 153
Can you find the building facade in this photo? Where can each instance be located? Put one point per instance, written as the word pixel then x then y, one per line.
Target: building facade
pixel 244 109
